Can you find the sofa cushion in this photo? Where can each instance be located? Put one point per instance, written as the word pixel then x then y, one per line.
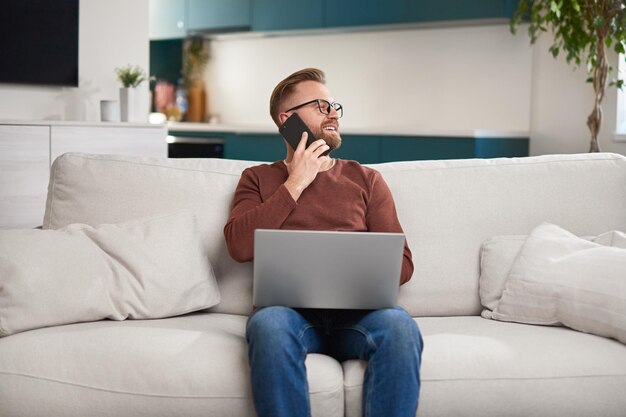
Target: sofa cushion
pixel 193 365
pixel 496 258
pixel 476 367
pixel 148 268
pixel 497 255
pixel 558 278
pixel 96 189
pixel 447 209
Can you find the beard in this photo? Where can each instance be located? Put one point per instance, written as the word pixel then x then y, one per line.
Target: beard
pixel 332 138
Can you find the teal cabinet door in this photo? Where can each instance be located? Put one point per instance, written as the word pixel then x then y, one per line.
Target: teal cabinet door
pixel 435 10
pixel 271 148
pixel 500 147
pixel 287 14
pixel 165 59
pixel 254 147
pixel 376 12
pixel 509 7
pixel 218 14
pixel 365 149
pixel 369 12
pixel 167 19
pixel 400 148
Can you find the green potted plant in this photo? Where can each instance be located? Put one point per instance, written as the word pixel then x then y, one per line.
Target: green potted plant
pixel 130 77
pixel 585 30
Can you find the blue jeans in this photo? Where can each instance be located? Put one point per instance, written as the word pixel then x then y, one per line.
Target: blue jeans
pixel 279 338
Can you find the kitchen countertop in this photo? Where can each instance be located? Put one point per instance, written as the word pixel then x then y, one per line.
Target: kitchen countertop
pixel 271 129
pixel 382 131
pixel 77 123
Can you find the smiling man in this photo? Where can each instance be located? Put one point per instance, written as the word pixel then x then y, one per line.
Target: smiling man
pixel 310 191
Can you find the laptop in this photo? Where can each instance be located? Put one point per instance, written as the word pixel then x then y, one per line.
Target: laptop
pixel 332 270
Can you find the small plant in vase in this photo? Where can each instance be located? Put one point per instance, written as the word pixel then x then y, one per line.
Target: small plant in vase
pixel 130 77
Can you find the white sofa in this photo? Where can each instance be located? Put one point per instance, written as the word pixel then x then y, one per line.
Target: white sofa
pixel 196 364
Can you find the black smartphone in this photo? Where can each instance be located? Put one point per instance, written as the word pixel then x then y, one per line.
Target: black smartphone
pixel 292 132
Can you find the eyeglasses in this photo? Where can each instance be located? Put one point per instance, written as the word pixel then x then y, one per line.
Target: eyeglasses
pixel 324 106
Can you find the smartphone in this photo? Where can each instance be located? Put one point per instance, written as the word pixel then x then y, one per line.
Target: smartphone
pixel 292 132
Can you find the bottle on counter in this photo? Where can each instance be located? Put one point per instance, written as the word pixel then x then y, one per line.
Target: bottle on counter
pixel 196 99
pixel 181 99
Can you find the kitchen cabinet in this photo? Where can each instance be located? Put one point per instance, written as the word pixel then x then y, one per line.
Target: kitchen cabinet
pixel 166 62
pixel 374 149
pixel 369 12
pixel 174 18
pixel 362 148
pixel 410 148
pixel 254 147
pixel 217 15
pixel 136 141
pixel 287 14
pixel 497 148
pixel 374 12
pixel 24 169
pixel 366 148
pixel 167 19
pixel 430 10
pixel 401 148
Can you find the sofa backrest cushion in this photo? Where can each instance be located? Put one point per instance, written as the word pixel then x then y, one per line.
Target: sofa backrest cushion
pixel 447 209
pixel 95 189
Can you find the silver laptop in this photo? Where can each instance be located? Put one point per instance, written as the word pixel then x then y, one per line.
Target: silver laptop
pixel 338 270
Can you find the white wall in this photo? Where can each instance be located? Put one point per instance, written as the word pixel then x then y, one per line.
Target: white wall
pixel 447 78
pixel 112 33
pixel 561 102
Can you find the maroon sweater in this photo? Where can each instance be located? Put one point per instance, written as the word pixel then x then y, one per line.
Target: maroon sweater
pixel 347 197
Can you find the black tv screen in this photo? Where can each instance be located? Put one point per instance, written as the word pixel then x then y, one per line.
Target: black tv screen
pixel 39 42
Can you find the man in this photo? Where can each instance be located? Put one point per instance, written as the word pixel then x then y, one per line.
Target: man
pixel 309 191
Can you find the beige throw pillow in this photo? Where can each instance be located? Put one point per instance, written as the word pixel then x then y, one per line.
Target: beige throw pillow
pixel 150 268
pixel 561 279
pixel 497 255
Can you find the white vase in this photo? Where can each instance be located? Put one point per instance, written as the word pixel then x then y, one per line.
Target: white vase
pixel 129 105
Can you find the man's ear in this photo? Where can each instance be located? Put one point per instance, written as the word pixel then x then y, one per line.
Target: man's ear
pixel 282 117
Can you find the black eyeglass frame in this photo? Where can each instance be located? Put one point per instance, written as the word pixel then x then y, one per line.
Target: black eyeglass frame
pixel 334 105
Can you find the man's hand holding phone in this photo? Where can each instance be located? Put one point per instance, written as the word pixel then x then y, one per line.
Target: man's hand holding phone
pixel 292 131
pixel 305 164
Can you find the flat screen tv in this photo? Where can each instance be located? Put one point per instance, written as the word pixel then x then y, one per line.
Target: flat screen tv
pixel 39 42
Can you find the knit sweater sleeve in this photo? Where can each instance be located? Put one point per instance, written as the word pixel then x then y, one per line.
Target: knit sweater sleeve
pixel 382 217
pixel 249 212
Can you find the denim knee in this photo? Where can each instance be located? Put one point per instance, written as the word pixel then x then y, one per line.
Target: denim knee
pixel 395 326
pixel 271 324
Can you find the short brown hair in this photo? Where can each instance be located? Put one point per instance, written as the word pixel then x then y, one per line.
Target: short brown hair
pixel 284 88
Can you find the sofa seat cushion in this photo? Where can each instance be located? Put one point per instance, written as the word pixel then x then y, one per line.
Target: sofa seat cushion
pixel 194 365
pixel 477 367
